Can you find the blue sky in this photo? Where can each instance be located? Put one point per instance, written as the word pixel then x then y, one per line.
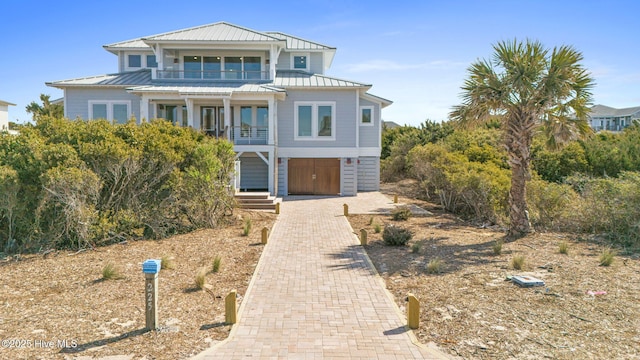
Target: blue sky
pixel 415 53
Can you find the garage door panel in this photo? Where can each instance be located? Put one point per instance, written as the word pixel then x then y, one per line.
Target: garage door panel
pixel 301 176
pixel 314 176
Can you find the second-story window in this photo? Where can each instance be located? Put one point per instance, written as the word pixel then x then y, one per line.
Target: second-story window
pixel 135 61
pixel 192 67
pixel 300 62
pixel 151 61
pixel 314 120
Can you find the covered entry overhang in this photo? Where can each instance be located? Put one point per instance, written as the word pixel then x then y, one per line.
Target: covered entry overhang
pixel 243 114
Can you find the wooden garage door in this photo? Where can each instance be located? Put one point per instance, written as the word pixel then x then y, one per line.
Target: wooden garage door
pixel 314 176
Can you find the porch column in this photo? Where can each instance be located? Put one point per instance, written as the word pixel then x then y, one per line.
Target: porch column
pixel 227 117
pixel 189 103
pixel 144 109
pixel 273 60
pixel 272 172
pixel 272 121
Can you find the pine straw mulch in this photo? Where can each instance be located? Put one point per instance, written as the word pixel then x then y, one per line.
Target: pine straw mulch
pixel 62 296
pixel 470 310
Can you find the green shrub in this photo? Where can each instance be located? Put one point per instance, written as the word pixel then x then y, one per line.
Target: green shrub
pixel 551 205
pixel 434 266
pixel 200 280
pixel 401 213
pixel 167 263
pixel 497 247
pixel 246 228
pixel 563 247
pixel 415 248
pixel 517 262
pixel 607 256
pixel 377 228
pixel 396 236
pixel 111 272
pixel 215 265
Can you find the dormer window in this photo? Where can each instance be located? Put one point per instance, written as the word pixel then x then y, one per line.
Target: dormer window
pixel 300 62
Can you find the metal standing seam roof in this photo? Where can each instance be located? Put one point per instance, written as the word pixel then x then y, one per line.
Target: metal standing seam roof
pixel 6 103
pixel 129 78
pixel 303 79
pixel 602 110
pixel 296 43
pixel 207 90
pixel 220 31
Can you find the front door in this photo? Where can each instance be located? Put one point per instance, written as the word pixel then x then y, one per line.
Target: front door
pixel 314 176
pixel 212 120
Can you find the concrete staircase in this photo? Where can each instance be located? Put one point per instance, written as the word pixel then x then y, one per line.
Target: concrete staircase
pixel 256 200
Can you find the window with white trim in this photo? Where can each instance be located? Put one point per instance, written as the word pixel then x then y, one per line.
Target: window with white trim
pixel 366 115
pixel 315 120
pixel 114 111
pixel 134 61
pixel 300 61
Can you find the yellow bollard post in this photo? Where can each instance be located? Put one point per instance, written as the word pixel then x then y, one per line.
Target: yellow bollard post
pixel 413 312
pixel 265 235
pixel 395 198
pixel 230 308
pixel 277 208
pixel 346 209
pixel 363 237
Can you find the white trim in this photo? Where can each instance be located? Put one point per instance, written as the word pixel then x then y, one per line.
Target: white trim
pixel 314 121
pixel 308 60
pixel 372 109
pixel 333 152
pixel 109 104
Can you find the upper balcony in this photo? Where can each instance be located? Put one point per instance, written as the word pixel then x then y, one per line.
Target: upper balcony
pixel 209 75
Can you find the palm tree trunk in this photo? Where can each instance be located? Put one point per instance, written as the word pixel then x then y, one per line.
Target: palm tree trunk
pixel 518 215
pixel 519 135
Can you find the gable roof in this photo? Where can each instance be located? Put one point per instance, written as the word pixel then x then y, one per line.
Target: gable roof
pixel 602 110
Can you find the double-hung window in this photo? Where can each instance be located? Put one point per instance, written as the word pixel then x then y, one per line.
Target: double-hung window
pixel 114 111
pixel 366 115
pixel 315 120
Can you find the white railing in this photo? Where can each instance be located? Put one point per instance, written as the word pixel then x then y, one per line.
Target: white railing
pixel 249 135
pixel 211 75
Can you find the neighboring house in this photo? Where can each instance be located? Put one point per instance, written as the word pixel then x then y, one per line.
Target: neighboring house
pixel 607 118
pixel 295 130
pixel 4 115
pixel 390 124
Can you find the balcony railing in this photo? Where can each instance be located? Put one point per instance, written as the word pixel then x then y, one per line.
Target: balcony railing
pixel 249 135
pixel 211 75
pixel 613 128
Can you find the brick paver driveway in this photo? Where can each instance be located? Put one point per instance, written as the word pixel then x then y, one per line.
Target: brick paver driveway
pixel 315 295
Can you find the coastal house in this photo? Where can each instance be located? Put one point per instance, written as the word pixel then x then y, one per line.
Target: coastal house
pixel 4 115
pixel 603 117
pixel 295 129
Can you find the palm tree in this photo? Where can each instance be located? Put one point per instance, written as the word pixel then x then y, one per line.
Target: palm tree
pixel 529 89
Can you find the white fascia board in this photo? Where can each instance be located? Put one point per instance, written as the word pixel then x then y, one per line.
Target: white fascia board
pixel 252 148
pixel 328 58
pixel 328 152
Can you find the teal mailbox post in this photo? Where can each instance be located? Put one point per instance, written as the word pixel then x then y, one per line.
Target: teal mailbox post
pixel 151 268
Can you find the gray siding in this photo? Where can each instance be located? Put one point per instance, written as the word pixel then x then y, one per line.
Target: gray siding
pixel 316 61
pixel 368 173
pixel 370 135
pixel 77 101
pixel 345 111
pixel 282 177
pixel 348 177
pixel 254 173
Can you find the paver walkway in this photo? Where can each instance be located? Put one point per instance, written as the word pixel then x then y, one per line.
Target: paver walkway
pixel 315 295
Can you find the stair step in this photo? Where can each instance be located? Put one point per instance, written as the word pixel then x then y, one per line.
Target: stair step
pixel 252 195
pixel 258 206
pixel 269 200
